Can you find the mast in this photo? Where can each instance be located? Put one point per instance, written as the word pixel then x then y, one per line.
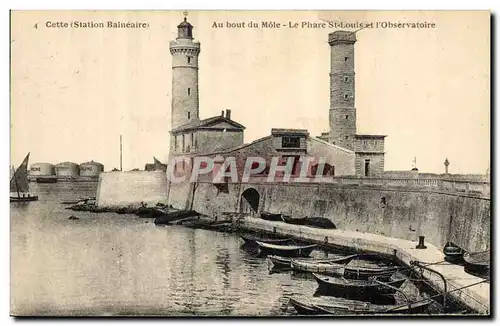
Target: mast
pixel 121 153
pixel 19 179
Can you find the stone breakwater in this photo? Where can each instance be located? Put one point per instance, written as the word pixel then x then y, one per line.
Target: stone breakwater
pixel 126 189
pixel 476 297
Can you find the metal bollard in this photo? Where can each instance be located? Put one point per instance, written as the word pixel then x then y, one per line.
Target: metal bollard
pixel 421 244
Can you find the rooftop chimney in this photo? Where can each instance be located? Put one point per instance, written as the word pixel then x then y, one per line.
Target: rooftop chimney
pixel 228 114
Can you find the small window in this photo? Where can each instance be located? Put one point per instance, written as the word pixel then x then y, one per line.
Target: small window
pixel 189 59
pixel 346 137
pixel 346 96
pixel 346 79
pixel 345 58
pixel 189 115
pixel 347 117
pixel 290 142
pixel 189 91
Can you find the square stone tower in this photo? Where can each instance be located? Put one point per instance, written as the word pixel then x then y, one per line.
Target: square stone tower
pixel 369 149
pixel 342 98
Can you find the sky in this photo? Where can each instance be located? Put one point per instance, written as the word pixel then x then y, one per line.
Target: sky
pixel 74 91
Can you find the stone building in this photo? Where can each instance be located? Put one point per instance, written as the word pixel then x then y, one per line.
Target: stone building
pixel 293 143
pixel 189 134
pixel 369 149
pixel 348 153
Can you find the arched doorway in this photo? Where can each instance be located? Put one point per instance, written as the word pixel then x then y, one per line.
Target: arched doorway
pixel 249 201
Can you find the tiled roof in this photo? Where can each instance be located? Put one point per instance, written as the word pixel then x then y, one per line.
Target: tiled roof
pixel 206 123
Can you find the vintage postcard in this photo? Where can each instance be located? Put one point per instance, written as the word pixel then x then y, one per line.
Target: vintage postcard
pixel 250 163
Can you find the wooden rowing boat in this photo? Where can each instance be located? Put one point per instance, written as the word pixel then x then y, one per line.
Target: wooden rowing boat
pixel 477 263
pixel 295 221
pixel 453 253
pixel 271 216
pixel 286 262
pixel 251 239
pixel 285 250
pixel 363 273
pixel 339 268
pixel 357 288
pixel 304 308
pixel 317 267
pixel 171 216
pixel 317 222
pixel 344 306
pixel 279 262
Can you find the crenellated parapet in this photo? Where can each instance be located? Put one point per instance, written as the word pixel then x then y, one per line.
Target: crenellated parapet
pixel 185 47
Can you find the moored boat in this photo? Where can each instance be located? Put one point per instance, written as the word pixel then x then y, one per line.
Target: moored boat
pixel 304 308
pixel 46 180
pixel 317 267
pixel 286 262
pixel 251 239
pixel 341 268
pixel 175 216
pixel 364 272
pixel 296 221
pixel 357 288
pixel 271 216
pixel 477 263
pixel 279 262
pixel 453 253
pixel 344 306
pixel 317 222
pixel 285 250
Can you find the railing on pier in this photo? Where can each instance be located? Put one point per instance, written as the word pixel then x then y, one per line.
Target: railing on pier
pixel 479 188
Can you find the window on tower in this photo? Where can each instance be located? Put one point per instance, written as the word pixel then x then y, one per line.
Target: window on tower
pixel 345 58
pixel 189 115
pixel 346 137
pixel 290 142
pixel 346 79
pixel 347 117
pixel 346 96
pixel 189 91
pixel 189 59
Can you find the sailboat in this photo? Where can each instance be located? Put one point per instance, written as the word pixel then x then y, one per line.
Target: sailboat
pixel 19 184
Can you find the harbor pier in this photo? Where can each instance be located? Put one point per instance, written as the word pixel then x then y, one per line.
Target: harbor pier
pixel 472 291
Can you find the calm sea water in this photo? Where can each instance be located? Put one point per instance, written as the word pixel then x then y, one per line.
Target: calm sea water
pixel 109 264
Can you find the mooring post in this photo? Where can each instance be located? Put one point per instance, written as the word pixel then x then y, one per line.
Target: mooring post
pixel 421 244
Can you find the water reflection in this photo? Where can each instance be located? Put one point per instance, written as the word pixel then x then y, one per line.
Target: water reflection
pixel 109 264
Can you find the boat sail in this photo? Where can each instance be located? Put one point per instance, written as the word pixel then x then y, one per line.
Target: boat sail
pixel 19 185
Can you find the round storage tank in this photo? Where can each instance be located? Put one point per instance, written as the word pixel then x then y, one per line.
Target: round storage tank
pixel 42 169
pixel 67 169
pixel 91 169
